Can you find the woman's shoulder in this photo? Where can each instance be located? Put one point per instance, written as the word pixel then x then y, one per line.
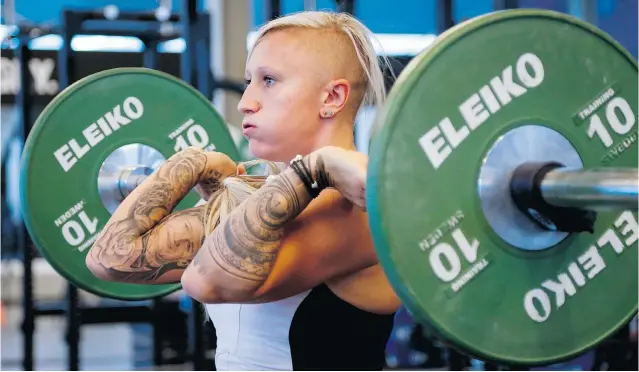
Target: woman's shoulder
pixel 367 289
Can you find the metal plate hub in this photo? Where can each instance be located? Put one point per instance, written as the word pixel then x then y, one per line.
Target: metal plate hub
pixel 509 151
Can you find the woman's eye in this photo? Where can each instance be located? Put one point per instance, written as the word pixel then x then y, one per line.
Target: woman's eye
pixel 269 81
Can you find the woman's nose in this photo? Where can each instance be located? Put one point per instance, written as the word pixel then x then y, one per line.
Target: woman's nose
pixel 248 103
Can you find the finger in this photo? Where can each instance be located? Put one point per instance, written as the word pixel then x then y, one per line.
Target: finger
pixel 362 204
pixel 357 201
pixel 241 169
pixel 362 194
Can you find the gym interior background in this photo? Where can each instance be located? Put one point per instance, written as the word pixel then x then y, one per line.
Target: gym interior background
pixel 48 324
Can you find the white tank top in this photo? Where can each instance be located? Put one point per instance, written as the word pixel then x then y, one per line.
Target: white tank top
pixel 255 336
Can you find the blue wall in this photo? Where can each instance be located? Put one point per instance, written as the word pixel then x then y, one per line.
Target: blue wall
pixel 404 17
pixel 617 17
pixel 48 11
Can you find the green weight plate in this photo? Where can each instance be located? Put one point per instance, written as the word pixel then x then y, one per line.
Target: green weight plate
pixel 112 112
pixel 489 94
pixel 245 151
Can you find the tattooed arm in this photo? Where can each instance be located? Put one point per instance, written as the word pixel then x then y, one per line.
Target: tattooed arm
pixel 278 242
pixel 143 242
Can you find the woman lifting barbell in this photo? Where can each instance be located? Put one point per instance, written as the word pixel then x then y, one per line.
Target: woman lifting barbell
pixel 286 268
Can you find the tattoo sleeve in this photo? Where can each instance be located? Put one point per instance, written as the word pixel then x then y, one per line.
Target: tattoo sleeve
pixel 143 241
pixel 243 248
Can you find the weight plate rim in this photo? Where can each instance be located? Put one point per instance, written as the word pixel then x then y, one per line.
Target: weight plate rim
pixel 382 132
pixel 28 220
pixel 161 289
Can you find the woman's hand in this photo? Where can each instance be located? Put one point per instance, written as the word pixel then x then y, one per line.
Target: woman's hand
pixel 345 170
pixel 218 167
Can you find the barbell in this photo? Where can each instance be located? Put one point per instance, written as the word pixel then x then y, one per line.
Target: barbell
pixel 502 180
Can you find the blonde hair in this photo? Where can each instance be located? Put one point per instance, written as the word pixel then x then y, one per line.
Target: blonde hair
pixel 234 191
pixel 237 189
pixel 361 39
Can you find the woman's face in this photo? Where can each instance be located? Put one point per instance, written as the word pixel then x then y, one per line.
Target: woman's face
pixel 284 95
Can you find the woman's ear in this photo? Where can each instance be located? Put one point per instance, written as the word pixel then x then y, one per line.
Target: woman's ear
pixel 335 98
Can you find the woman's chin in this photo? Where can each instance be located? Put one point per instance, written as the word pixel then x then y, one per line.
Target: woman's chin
pixel 260 151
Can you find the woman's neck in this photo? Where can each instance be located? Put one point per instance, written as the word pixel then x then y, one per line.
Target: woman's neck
pixel 332 134
pixel 338 134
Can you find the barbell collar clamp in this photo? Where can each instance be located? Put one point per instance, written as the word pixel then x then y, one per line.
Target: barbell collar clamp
pixel 558 198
